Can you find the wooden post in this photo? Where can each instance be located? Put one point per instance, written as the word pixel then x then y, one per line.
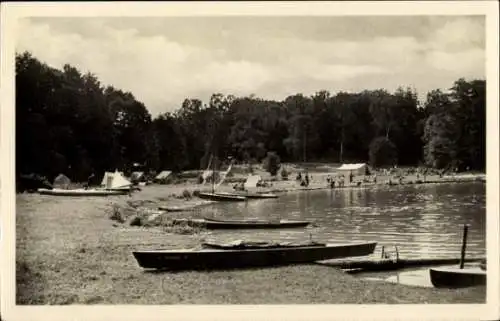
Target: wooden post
pixel 464 245
pixel 382 254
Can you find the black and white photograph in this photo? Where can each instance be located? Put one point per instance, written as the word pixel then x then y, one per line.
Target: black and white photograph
pixel 250 154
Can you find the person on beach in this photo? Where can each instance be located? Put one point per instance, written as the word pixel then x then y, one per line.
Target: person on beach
pixel 350 177
pixel 89 180
pixel 307 179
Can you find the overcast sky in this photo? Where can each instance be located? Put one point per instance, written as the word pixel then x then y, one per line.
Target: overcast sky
pixel 162 61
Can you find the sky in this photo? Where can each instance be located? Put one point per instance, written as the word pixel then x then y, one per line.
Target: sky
pixel 164 60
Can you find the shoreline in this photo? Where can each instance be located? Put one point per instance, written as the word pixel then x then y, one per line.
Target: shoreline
pixel 176 191
pixel 69 251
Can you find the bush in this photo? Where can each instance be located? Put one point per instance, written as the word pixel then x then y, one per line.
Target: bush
pixel 383 152
pixel 272 163
pixel 284 174
pixel 186 194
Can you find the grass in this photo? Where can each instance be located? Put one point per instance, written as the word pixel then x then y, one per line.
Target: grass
pixel 69 251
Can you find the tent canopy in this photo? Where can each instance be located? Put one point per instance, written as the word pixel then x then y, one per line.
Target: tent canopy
pixel 163 174
pixel 252 181
pixel 61 181
pixel 136 175
pixel 115 180
pixel 359 168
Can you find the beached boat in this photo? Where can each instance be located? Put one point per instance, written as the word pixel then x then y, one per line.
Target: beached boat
pixel 176 208
pixel 453 277
pixel 221 197
pixel 258 255
pixel 211 223
pixel 250 195
pixel 80 192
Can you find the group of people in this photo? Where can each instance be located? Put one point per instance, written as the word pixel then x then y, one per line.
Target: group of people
pixel 304 181
pixel 338 180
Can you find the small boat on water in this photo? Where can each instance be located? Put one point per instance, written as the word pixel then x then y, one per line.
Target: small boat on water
pixel 211 223
pixel 251 195
pixel 255 254
pixel 459 277
pixel 221 197
pixel 81 192
pixel 454 277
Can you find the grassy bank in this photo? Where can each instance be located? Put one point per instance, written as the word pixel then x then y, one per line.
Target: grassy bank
pixel 69 251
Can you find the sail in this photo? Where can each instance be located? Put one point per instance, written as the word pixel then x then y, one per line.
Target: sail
pixel 252 181
pixel 224 174
pixel 207 173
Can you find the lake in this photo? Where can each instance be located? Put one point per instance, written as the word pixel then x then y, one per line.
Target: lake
pixel 422 220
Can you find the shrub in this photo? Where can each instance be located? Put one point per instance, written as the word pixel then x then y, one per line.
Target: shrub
pixel 272 163
pixel 186 194
pixel 284 174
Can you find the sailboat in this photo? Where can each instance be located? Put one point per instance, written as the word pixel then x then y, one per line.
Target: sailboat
pixel 220 196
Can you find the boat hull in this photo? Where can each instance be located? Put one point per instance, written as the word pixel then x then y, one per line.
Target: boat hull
pixel 80 192
pixel 251 195
pixel 216 224
pixel 221 197
pixel 229 259
pixel 457 278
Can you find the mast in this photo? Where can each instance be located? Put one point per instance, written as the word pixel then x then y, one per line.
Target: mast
pixel 213 177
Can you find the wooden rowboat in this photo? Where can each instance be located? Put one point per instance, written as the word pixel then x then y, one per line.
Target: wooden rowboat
pixel 453 277
pixel 254 224
pixel 251 195
pixel 257 256
pixel 80 192
pixel 221 197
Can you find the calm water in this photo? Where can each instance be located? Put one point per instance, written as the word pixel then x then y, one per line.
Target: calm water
pixel 423 221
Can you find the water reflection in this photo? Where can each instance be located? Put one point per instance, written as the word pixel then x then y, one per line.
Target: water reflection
pixel 423 220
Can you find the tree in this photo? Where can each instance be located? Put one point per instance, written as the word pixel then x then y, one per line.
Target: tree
pixel 272 163
pixel 383 152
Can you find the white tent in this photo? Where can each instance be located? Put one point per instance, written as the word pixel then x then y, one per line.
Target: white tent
pixel 115 180
pixel 252 181
pixel 62 181
pixel 355 169
pixel 163 175
pixel 136 175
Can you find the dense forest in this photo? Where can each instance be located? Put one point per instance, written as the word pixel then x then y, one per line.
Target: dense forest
pixel 68 122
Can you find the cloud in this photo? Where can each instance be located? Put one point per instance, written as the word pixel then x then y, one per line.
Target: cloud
pixel 162 61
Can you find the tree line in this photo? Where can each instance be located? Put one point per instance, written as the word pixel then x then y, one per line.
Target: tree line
pixel 68 122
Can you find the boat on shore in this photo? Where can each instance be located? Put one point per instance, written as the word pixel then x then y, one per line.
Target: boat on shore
pixel 221 197
pixel 211 223
pixel 81 192
pixel 176 208
pixel 454 277
pixel 229 256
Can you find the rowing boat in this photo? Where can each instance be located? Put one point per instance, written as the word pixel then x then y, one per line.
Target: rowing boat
pixel 453 277
pixel 250 195
pixel 228 257
pixel 211 223
pixel 176 208
pixel 80 192
pixel 221 197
